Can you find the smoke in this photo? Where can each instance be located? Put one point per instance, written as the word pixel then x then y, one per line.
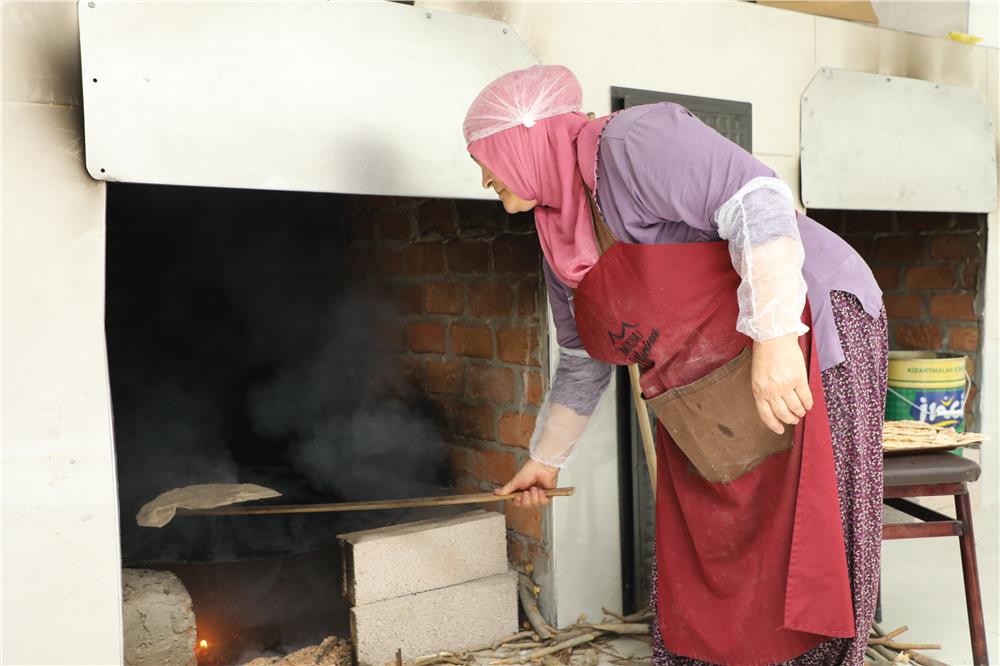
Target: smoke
pixel 240 352
pixel 355 429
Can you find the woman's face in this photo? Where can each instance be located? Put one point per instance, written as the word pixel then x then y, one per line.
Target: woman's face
pixel 511 202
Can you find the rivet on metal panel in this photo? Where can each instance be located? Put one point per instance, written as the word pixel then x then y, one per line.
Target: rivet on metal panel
pixel 102 170
pixel 91 4
pixel 428 14
pixel 889 79
pixel 506 31
pixel 95 80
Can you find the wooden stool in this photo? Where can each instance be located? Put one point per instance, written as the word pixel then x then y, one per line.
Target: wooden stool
pixel 930 474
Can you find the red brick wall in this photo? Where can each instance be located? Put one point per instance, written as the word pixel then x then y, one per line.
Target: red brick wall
pixel 931 267
pixel 469 321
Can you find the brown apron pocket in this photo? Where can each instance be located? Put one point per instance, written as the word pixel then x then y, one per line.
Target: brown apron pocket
pixel 714 421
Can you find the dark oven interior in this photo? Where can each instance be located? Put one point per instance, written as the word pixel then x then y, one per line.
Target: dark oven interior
pixel 331 347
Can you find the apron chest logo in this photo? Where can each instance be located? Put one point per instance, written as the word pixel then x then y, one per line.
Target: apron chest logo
pixel 632 344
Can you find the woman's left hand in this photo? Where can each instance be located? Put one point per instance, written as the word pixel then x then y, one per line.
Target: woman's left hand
pixel 779 381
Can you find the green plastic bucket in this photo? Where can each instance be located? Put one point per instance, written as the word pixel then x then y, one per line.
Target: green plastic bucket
pixel 930 387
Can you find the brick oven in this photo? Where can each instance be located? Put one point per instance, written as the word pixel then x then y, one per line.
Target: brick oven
pixel 932 270
pixel 470 315
pixel 331 347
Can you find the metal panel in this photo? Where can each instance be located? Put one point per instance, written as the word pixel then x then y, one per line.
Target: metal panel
pixel 873 142
pixel 729 118
pixel 366 98
pixel 732 120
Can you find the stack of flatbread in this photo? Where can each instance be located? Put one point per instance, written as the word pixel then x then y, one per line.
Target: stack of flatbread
pixel 918 436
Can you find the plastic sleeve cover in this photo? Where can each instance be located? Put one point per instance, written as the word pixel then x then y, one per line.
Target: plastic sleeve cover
pixel 577 387
pixel 760 224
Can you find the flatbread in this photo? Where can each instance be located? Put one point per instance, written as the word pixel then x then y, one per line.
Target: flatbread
pixel 161 510
pixel 916 435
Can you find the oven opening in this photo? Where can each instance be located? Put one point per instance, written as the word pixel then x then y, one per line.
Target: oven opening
pixel 330 347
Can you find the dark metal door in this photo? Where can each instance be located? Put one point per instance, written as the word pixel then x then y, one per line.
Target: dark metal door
pixel 638 510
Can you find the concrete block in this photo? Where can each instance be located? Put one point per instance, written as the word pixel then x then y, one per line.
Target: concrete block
pixel 390 562
pixel 450 618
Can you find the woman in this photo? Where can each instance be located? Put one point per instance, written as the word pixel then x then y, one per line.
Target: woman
pixel 768 529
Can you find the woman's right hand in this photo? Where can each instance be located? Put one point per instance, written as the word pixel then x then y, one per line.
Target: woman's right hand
pixel 533 478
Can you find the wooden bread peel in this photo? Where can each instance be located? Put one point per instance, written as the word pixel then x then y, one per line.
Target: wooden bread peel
pixel 219 508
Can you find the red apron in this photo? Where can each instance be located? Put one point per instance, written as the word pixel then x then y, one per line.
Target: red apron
pixel 752 571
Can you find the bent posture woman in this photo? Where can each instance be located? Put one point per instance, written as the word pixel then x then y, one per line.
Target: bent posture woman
pixel 761 341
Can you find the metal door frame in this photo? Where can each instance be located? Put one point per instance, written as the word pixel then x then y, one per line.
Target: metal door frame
pixel 633 480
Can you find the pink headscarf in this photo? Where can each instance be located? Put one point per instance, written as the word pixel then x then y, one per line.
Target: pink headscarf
pixel 524 127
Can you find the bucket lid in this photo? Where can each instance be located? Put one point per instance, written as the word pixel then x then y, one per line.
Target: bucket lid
pixel 926 369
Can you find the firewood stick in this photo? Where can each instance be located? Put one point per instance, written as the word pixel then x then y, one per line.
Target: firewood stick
pixel 911 646
pixel 623 628
pixel 509 639
pixel 445 500
pixel 552 649
pixel 642 614
pixel 524 592
pixel 897 632
pixel 571 632
pixel 876 657
pixel 885 652
pixel 924 660
pixel 477 648
pixel 610 613
pixel 431 658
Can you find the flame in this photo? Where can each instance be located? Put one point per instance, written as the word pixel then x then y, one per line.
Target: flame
pixel 203 644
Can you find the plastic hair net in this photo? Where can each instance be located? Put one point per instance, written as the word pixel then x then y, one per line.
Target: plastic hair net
pixel 522 97
pixel 760 224
pixel 576 389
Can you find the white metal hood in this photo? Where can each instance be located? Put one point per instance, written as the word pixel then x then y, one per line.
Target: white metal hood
pixel 874 142
pixel 365 98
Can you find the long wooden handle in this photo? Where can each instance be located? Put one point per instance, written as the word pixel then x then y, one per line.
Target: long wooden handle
pixel 645 430
pixel 445 500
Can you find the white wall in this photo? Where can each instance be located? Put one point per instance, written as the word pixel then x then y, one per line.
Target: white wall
pixel 61 574
pixel 741 51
